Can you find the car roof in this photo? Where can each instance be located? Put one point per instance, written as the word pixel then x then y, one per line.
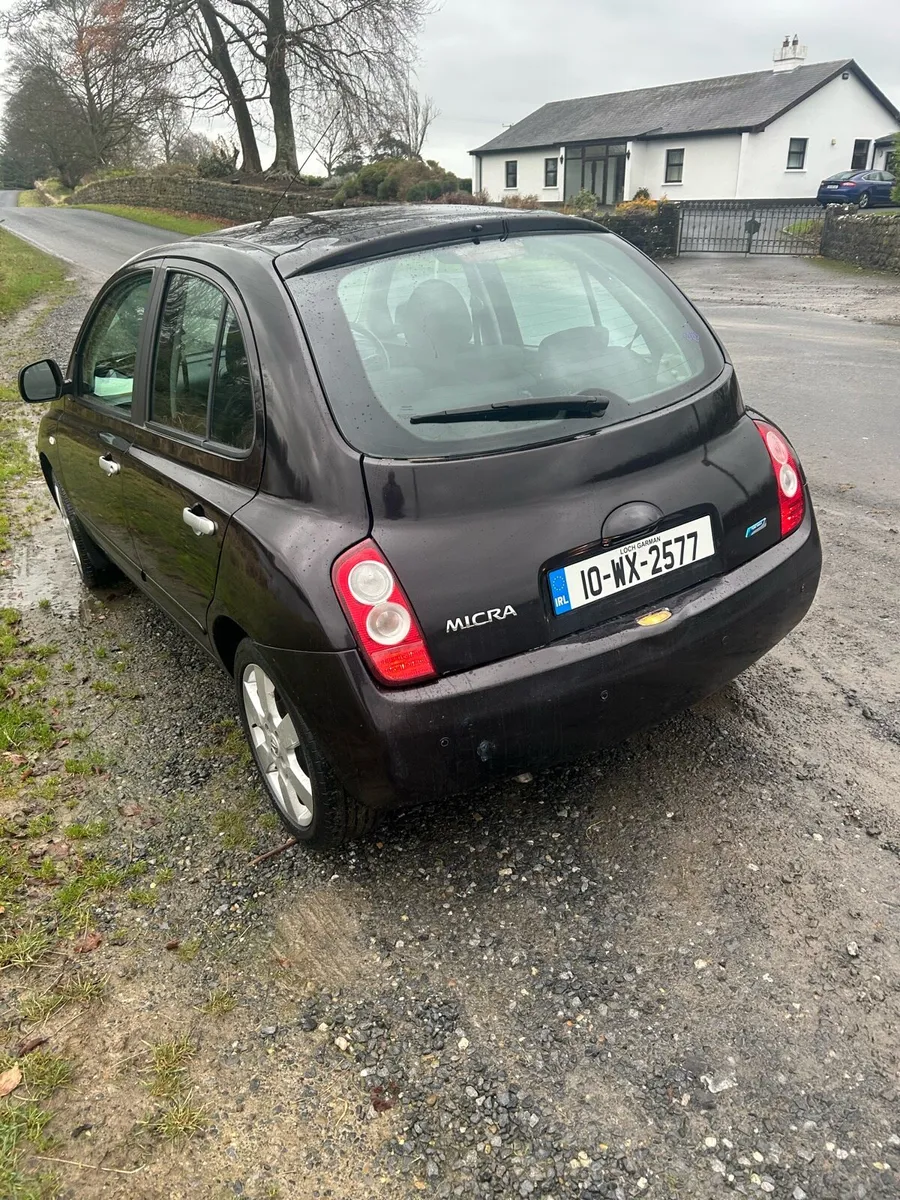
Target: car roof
pixel 333 236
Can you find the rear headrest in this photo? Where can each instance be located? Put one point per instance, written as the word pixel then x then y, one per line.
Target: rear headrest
pixel 436 321
pixel 572 350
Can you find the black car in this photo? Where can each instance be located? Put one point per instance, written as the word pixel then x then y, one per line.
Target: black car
pixel 447 490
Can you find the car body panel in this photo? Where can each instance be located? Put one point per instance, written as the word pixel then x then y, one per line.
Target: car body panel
pixel 553 703
pixel 475 535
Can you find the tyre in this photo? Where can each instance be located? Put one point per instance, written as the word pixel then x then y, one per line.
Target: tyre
pixel 95 569
pixel 865 200
pixel 312 804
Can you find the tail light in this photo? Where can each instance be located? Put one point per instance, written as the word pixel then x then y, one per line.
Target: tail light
pixel 787 476
pixel 849 183
pixel 381 617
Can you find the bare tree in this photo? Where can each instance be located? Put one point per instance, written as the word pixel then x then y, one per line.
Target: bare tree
pixel 101 69
pixel 353 48
pixel 410 116
pixel 336 132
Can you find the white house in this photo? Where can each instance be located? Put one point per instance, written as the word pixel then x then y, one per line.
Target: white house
pixel 766 135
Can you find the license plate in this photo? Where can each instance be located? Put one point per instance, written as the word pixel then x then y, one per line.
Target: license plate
pixel 615 571
pixel 831 186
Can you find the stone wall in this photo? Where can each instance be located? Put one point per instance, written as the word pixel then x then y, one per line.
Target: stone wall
pixel 868 239
pixel 207 197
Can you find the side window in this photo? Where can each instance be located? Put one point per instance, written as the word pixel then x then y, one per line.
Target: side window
pixel 201 379
pixel 109 352
pixel 188 340
pixel 232 421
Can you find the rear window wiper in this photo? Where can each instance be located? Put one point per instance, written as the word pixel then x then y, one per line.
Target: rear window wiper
pixel 539 408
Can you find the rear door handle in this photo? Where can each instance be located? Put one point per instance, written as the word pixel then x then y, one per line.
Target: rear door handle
pixel 109 465
pixel 195 519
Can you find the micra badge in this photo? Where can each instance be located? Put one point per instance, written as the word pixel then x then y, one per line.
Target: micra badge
pixel 757 528
pixel 455 624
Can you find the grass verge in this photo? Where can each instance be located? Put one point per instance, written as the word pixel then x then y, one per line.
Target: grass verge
pixel 160 218
pixel 25 274
pixel 29 199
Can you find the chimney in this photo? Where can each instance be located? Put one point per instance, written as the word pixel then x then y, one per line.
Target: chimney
pixel 790 54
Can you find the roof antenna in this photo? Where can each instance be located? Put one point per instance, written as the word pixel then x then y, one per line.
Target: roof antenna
pixel 296 175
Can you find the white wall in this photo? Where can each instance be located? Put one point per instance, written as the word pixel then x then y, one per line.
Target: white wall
pixel 710 167
pixel 530 173
pixel 841 111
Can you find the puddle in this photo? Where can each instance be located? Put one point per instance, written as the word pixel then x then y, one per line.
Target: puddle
pixel 42 569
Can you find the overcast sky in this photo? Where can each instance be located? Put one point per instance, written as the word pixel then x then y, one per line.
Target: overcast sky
pixel 491 62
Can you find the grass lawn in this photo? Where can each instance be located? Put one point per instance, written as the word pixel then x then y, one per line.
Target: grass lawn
pixel 25 274
pixel 805 229
pixel 161 218
pixel 29 199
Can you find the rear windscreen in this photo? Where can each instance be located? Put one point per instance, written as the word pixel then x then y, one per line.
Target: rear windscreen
pixel 425 334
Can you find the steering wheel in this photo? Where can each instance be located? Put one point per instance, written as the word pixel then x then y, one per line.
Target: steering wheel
pixel 377 355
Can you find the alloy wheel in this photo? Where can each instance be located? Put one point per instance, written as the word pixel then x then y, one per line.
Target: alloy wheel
pixel 67 525
pixel 864 200
pixel 276 746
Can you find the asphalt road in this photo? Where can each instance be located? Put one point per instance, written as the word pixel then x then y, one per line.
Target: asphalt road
pixel 94 242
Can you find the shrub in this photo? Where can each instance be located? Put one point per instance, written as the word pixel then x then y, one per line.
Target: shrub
pixel 585 201
pixel 169 169
pixel 310 181
pixel 641 194
pixel 388 188
pixel 417 193
pixel 521 202
pixel 460 198
pixel 464 185
pixel 895 194
pixel 219 163
pixel 370 178
pixel 637 206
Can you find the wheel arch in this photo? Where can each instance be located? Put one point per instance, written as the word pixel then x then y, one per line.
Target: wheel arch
pixel 227 635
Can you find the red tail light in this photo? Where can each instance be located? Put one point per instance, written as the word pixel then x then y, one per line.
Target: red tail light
pixel 787 477
pixel 381 617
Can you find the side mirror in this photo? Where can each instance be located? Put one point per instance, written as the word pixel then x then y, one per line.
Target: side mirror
pixel 40 382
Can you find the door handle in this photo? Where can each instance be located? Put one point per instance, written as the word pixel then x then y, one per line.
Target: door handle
pixel 194 519
pixel 109 465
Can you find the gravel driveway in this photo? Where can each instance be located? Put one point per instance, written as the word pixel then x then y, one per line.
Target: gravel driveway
pixel 670 970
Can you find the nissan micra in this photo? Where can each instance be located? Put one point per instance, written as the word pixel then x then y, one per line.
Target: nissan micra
pixel 448 491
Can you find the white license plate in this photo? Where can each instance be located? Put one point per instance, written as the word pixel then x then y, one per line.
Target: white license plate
pixel 616 571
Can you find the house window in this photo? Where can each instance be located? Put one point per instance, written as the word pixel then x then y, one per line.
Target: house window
pixel 797 154
pixel 551 167
pixel 891 163
pixel 512 174
pixel 674 165
pixel 860 159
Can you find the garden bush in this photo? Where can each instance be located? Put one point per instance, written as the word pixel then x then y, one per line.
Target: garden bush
pixel 521 202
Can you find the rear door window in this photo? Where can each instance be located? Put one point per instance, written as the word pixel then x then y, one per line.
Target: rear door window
pixel 201 379
pixel 547 315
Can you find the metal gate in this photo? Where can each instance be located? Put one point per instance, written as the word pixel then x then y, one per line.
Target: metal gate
pixel 750 226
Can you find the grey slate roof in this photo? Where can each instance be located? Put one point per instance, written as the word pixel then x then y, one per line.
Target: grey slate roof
pixel 728 103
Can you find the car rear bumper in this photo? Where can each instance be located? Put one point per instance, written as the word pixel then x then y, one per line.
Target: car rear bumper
pixel 553 703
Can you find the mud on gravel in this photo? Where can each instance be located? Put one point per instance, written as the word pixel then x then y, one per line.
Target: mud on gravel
pixel 670 970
